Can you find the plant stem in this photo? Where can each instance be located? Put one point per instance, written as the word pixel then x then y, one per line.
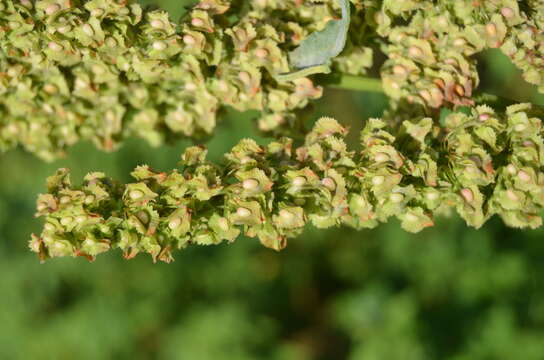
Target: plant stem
pixel 369 84
pixel 358 83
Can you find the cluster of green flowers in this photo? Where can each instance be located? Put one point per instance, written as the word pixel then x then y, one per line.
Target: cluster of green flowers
pixel 103 70
pixel 432 43
pixel 525 45
pixel 478 162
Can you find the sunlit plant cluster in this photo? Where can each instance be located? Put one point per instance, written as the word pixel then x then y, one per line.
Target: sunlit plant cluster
pixel 108 70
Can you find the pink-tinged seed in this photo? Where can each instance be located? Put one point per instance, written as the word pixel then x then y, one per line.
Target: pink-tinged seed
pixel 243 212
pixel 467 195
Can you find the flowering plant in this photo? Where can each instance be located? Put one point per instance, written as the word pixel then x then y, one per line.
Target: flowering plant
pixel 107 70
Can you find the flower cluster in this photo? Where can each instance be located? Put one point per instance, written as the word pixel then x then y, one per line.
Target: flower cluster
pixel 103 70
pixel 479 162
pixel 431 46
pixel 525 45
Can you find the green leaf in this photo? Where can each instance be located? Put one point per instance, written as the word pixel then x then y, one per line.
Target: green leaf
pixel 316 51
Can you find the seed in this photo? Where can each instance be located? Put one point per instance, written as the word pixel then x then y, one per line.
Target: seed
pixel 436 96
pixel 411 217
pixel 65 200
pixel 459 42
pixel 381 157
pixel 87 29
pixel 378 18
pixel 50 88
pixel 174 223
pixel 396 198
pixel 507 12
pixel 360 201
pixel 136 194
pixel 12 129
pixel 286 215
pixel 97 12
pixel 520 127
pixel 51 9
pixel 157 24
pixel 64 29
pixel 143 216
pixel 47 108
pixel 378 180
pixel 190 86
pixel 81 219
pixel 512 195
pixel 459 90
pixel 467 194
pixel 42 206
pixel 273 98
pixel 66 220
pixel 451 61
pixel 14 25
pixel 299 181
pixel 189 40
pixel 484 117
pixel 241 33
pixel 110 42
pixel 55 46
pixel 244 77
pixel 261 53
pixel 399 70
pixel 440 83
pixel 395 85
pixel 243 212
pixel 26 3
pixel 491 29
pixel 250 184
pixel 49 227
pixel 432 196
pixel 223 224
pixel 329 183
pixel 89 199
pixel 399 37
pixel 511 169
pixel 197 22
pixel 414 51
pixel 443 21
pixel 245 160
pixel 159 45
pixel 523 176
pixel 426 95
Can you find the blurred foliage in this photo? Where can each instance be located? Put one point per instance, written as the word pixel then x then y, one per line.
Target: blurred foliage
pixel 447 293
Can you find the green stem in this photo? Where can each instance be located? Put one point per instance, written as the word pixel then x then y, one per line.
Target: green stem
pixel 368 84
pixel 358 83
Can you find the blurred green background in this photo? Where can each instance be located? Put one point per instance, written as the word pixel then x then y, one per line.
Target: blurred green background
pixel 449 292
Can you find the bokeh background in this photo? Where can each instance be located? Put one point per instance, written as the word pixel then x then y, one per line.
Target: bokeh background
pixel 450 292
